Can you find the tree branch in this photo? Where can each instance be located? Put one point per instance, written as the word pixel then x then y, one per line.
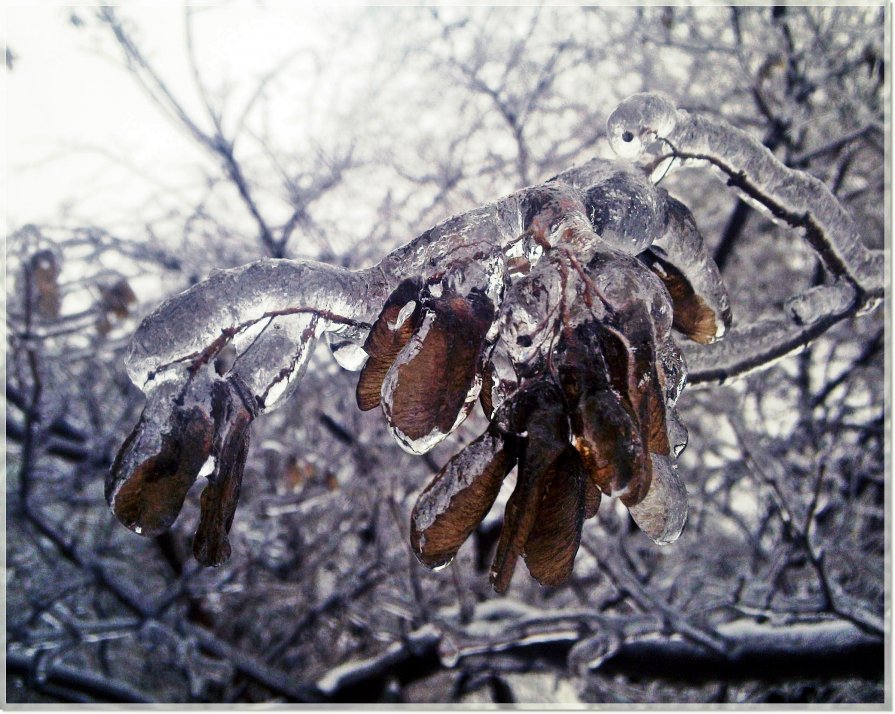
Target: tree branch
pixel 97 688
pixel 800 199
pixel 828 650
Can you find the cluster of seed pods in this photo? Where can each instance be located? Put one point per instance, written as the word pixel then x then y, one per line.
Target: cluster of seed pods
pixel 579 387
pixel 554 308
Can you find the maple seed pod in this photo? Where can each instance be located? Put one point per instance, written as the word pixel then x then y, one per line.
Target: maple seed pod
pixel 147 497
pixel 556 534
pixel 399 319
pixel 218 502
pixel 698 294
pixel 457 499
pixel 233 411
pixel 609 442
pixel 631 358
pixel 427 388
pixel 537 414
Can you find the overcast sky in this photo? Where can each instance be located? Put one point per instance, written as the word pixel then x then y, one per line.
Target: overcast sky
pixel 79 128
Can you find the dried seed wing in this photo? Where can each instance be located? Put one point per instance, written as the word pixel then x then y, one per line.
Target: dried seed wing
pixel 398 320
pixel 554 539
pixel 663 512
pixel 592 495
pixel 680 259
pixel 211 546
pixel 232 417
pixel 614 456
pixel 151 475
pixel 541 412
pixel 518 520
pixel 485 396
pixel 632 358
pixel 457 499
pixel 433 381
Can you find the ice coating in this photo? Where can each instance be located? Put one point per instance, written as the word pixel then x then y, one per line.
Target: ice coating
pixel 818 302
pixel 682 246
pixel 261 364
pixel 186 324
pixel 457 476
pixel 753 347
pixel 795 196
pixel 526 329
pixel 504 380
pixel 663 512
pixel 479 305
pixel 624 281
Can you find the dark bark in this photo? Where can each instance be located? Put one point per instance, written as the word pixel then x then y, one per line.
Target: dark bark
pixel 769 655
pixel 825 650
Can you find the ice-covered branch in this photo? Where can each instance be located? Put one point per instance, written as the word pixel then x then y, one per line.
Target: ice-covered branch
pixel 756 346
pixel 230 302
pixel 832 649
pixel 553 306
pixel 650 122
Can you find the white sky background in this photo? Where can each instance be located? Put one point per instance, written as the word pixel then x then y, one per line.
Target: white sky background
pixel 83 137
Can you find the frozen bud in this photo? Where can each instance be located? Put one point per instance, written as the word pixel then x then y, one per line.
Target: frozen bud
pixel 638 121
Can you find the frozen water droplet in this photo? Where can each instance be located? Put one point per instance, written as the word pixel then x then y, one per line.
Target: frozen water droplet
pixel 637 122
pixel 347 353
pixel 663 512
pixel 678 436
pixel 207 467
pixel 672 369
pixel 404 313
